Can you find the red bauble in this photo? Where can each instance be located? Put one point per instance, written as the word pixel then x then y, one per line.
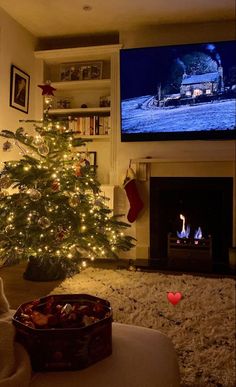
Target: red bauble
pixel 78 170
pixel 55 186
pixel 60 235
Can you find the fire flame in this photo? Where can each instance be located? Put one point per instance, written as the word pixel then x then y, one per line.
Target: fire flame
pixel 198 233
pixel 186 231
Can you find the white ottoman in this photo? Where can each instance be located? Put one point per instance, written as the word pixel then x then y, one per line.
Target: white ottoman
pixel 141 357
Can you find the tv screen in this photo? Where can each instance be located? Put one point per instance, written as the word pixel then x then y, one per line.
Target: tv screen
pixel 181 92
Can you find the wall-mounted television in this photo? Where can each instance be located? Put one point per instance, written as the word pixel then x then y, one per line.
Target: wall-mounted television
pixel 181 92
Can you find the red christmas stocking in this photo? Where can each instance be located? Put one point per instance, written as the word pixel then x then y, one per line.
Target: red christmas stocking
pixel 136 203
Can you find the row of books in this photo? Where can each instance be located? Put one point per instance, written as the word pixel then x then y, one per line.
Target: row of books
pixel 90 125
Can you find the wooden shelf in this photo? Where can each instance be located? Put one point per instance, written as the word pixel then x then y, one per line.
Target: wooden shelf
pixel 86 84
pixel 80 110
pixel 77 54
pixel 93 136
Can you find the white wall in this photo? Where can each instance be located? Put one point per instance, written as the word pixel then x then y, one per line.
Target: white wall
pixel 16 47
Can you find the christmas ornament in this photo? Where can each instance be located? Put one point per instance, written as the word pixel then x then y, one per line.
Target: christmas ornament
pixel 44 222
pixel 55 186
pixel 47 88
pixel 33 217
pixel 3 193
pixel 61 232
pixel 60 235
pixel 48 100
pixel 7 146
pixel 136 203
pixel 9 229
pixel 22 188
pixel 34 194
pixel 5 182
pixel 78 170
pixel 43 150
pixel 74 201
pixel 48 207
pixel 99 202
pixel 37 141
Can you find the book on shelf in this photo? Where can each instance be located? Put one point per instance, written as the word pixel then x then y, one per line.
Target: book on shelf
pixel 90 125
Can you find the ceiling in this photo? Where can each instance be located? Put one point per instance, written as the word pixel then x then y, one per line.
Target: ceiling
pixel 45 18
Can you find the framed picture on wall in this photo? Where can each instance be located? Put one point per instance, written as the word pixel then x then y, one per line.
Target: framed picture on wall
pixel 19 89
pixel 88 159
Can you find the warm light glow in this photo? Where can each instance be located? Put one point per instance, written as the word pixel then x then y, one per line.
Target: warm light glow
pixel 184 232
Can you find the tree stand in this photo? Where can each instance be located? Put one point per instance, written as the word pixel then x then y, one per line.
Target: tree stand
pixel 49 269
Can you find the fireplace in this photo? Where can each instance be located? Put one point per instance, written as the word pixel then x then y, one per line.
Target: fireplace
pixel 190 222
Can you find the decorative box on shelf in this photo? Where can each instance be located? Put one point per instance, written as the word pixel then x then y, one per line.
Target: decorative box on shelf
pixel 65 332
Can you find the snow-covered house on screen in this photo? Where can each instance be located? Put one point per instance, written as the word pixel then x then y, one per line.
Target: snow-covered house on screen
pixel 199 84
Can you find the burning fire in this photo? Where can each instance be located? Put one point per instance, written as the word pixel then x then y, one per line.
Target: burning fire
pixel 186 231
pixel 198 233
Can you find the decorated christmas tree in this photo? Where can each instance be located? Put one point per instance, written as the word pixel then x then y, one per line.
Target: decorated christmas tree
pixel 52 211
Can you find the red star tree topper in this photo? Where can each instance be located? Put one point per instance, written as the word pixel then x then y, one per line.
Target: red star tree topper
pixel 47 89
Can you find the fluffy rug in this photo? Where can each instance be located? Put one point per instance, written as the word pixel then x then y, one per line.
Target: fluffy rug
pixel 201 325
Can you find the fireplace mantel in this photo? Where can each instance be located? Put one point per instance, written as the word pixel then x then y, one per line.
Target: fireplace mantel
pixel 143 164
pixel 175 160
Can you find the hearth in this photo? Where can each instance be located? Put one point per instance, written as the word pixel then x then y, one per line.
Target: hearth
pixel 190 222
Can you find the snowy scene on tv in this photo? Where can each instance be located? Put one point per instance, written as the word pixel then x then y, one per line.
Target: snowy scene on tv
pixel 187 88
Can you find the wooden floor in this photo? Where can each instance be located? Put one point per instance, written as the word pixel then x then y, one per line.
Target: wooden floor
pixel 18 290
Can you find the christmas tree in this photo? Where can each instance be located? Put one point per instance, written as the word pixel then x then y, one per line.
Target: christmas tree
pixel 55 215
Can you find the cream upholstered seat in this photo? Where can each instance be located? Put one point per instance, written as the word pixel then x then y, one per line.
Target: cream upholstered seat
pixel 141 357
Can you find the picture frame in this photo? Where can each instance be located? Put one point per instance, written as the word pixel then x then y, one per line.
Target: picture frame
pixel 19 89
pixel 88 159
pixel 105 101
pixel 81 71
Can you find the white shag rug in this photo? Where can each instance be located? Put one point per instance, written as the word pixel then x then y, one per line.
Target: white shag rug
pixel 201 326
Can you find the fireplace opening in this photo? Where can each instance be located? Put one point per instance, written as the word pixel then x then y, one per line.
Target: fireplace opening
pixel 190 222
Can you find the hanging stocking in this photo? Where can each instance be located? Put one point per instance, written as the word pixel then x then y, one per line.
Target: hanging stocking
pixel 136 203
